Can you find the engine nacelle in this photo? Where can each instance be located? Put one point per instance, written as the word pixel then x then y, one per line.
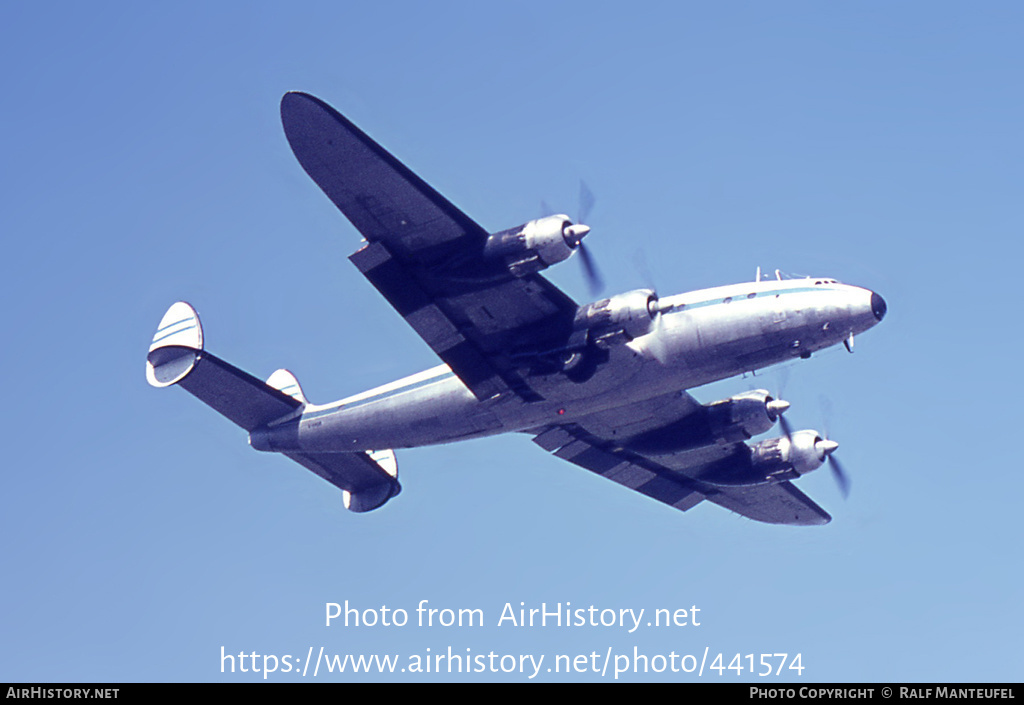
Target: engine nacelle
pixel 743 416
pixel 618 319
pixel 536 245
pixel 773 460
pixel 737 418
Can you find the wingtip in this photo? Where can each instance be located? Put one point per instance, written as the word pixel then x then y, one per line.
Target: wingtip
pixel 303 116
pixel 297 99
pixel 294 95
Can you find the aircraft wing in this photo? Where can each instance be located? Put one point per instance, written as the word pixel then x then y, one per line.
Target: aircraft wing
pixel 596 444
pixel 426 256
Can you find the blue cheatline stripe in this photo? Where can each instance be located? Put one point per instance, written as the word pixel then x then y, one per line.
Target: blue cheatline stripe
pixel 383 395
pixel 187 318
pixel 736 298
pixel 159 337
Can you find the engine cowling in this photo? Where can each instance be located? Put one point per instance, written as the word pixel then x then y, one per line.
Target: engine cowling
pixel 536 245
pixel 801 453
pixel 744 416
pixel 618 319
pixel 774 460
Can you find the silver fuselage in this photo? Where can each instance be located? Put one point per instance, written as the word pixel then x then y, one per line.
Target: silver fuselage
pixel 700 337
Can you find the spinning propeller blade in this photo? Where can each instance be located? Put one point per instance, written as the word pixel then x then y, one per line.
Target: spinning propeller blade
pixel 840 476
pixel 842 479
pixel 787 430
pixel 780 410
pixel 587 202
pixel 825 446
pixel 590 273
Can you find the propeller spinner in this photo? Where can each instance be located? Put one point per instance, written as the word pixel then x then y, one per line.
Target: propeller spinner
pixel 574 235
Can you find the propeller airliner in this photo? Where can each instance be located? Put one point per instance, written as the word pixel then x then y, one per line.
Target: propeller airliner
pixel 601 385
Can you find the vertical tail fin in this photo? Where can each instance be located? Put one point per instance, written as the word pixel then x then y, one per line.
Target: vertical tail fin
pixel 176 346
pixel 285 381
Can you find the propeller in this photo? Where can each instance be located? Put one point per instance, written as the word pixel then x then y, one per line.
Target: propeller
pixel 575 233
pixel 587 202
pixel 780 405
pixel 828 447
pixel 593 277
pixel 590 273
pixel 825 447
pixel 842 479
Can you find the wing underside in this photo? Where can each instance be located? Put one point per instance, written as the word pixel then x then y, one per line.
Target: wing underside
pixel 427 257
pixel 597 444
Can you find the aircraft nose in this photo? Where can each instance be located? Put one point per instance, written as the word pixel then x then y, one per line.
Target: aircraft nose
pixel 878 306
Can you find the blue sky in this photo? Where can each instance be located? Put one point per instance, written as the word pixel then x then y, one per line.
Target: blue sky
pixel 144 162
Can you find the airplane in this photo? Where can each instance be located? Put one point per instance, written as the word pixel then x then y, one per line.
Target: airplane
pixel 602 385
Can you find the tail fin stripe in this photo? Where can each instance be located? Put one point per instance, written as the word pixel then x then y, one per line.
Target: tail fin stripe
pixel 157 338
pixel 188 319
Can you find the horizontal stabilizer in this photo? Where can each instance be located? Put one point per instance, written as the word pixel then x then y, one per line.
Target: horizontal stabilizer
pixel 176 356
pixel 368 479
